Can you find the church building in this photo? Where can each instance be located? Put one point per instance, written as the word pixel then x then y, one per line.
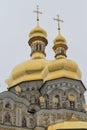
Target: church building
pixel 43 94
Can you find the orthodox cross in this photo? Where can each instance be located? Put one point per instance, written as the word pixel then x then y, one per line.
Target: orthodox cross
pixel 58 20
pixel 37 12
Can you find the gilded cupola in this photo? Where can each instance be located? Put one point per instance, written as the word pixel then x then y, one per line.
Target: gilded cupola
pixel 38 68
pixel 60 45
pixel 31 69
pixel 61 66
pixel 38 39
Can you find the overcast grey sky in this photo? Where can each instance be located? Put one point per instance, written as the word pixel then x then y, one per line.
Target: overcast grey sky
pixel 17 19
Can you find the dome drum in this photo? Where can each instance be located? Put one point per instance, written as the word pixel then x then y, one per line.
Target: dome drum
pixel 40 38
pixel 60 49
pixel 60 55
pixel 60 45
pixel 38 42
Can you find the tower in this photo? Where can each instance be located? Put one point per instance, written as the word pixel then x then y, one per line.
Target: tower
pixel 38 39
pixel 60 45
pixel 44 94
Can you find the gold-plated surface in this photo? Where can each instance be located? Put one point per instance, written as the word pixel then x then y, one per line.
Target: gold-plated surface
pixel 68 125
pixel 38 55
pixel 60 45
pixel 27 71
pixel 55 100
pixel 62 68
pixel 71 98
pixel 18 89
pixel 37 69
pixel 72 123
pixel 42 99
pixel 59 39
pixel 37 36
pixel 40 69
pixel 37 31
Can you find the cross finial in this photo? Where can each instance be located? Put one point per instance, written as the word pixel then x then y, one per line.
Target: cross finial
pixel 37 12
pixel 58 20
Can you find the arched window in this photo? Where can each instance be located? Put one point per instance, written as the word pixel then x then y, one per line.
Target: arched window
pixel 58 99
pixel 72 104
pixel 71 98
pixel 46 97
pixel 42 102
pixel 7 118
pixel 8 105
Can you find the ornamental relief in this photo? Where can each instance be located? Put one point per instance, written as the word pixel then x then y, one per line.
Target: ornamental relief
pixel 61 85
pixel 32 97
pixel 8 104
pixel 48 118
pixel 55 97
pixel 24 118
pixel 52 118
pixel 59 98
pixel 7 118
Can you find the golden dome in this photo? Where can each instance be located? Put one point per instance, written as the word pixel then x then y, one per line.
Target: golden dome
pixel 59 39
pixel 27 71
pixel 41 69
pixel 38 31
pixel 37 42
pixel 62 68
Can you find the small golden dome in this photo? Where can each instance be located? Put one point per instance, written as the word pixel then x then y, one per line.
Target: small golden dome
pixel 60 46
pixel 37 42
pixel 59 39
pixel 37 31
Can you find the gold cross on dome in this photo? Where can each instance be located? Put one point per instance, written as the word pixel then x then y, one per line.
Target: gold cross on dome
pixel 37 12
pixel 58 20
